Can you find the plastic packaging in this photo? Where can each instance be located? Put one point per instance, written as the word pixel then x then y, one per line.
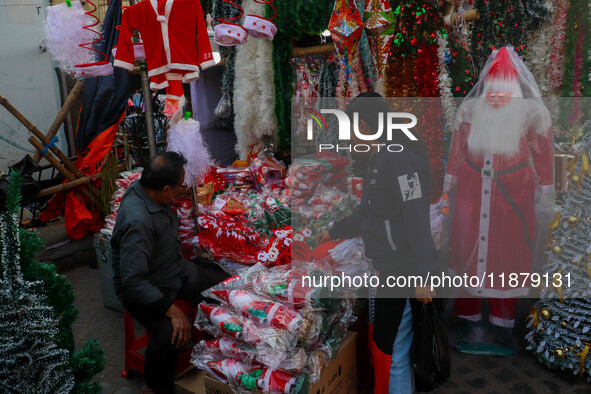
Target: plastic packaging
pixel 219 321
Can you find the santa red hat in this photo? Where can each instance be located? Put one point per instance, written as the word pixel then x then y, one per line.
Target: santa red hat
pixel 502 75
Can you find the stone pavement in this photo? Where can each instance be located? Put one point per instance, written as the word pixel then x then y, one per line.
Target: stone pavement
pixel 470 373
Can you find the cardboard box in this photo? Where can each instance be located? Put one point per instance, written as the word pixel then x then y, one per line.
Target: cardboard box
pixel 191 382
pixel 339 376
pixel 560 175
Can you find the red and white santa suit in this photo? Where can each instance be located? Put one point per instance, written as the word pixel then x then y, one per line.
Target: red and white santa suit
pixel 500 155
pixel 175 39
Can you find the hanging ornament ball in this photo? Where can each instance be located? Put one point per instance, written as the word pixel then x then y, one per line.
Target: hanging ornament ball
pixel 575 178
pixel 573 221
pixel 557 250
pixel 559 353
pixel 545 313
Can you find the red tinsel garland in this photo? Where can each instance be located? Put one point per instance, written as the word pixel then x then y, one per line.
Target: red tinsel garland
pixel 426 77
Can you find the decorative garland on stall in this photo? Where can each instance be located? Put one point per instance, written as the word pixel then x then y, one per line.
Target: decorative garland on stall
pixel 254 91
pixel 365 56
pixel 413 70
pixel 558 37
pixel 294 19
pixel 538 56
pixel 426 76
pixel 504 22
pixel 447 99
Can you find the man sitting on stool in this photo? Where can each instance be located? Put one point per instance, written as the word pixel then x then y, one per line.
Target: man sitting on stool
pixel 149 269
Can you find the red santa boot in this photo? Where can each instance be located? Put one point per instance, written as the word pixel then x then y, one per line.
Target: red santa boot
pixel 175 100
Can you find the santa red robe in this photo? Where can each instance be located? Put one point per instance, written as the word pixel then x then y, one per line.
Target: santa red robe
pixel 494 212
pixel 175 45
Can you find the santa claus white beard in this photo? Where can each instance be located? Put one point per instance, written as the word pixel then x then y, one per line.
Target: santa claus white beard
pixel 496 130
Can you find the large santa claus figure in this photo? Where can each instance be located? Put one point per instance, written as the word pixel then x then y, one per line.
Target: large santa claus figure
pixel 500 173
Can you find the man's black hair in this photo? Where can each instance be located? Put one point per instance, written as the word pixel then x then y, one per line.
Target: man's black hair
pixel 163 169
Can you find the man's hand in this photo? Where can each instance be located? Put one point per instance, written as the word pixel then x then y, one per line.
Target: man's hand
pixel 323 237
pixel 181 328
pixel 424 294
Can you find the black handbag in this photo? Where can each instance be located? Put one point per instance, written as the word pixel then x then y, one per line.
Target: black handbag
pixel 430 349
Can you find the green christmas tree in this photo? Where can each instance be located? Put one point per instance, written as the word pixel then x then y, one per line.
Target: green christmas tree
pixel 560 322
pixel 38 310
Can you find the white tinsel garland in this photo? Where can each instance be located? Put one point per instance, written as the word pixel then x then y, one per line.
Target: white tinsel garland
pixel 537 57
pixel 64 32
pixel 184 137
pixel 447 98
pixel 254 92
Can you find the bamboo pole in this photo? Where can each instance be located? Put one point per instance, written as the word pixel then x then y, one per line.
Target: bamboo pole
pixel 313 50
pixel 37 133
pixel 63 112
pixel 63 187
pixel 67 174
pixel 73 184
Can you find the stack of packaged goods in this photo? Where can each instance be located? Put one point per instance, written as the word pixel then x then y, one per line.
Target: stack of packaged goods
pixel 274 333
pixel 123 184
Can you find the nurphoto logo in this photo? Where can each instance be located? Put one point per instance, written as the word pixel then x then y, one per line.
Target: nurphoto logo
pixel 388 123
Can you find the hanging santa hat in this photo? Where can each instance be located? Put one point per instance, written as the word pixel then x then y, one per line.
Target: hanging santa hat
pixel 501 77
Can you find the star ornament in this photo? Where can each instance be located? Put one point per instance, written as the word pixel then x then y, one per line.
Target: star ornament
pixel 345 26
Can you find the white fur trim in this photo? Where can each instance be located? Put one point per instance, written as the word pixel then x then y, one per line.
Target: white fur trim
pixel 173 76
pixel 497 321
pixel 229 35
pixel 158 86
pixel 254 90
pixel 172 66
pixel 207 64
pixel 188 78
pixel 122 64
pixel 93 70
pixel 139 52
pixel 494 293
pixel 476 317
pixel 546 189
pixel 451 179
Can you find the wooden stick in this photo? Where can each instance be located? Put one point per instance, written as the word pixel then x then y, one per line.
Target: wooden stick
pixel 313 50
pixel 67 174
pixel 61 115
pixel 73 184
pixel 63 187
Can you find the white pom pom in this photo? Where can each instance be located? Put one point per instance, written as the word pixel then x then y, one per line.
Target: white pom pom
pixel 161 18
pixel 64 32
pixel 185 138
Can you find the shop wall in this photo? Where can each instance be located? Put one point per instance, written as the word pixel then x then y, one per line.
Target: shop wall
pixel 27 79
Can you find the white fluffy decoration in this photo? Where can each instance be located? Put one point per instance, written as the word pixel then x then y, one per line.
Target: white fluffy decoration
pixel 184 137
pixel 254 91
pixel 537 57
pixel 64 31
pixel 447 98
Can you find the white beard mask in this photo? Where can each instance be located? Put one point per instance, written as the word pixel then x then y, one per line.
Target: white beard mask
pixel 497 130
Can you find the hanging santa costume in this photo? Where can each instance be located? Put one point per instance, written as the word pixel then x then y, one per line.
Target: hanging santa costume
pixel 501 166
pixel 175 39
